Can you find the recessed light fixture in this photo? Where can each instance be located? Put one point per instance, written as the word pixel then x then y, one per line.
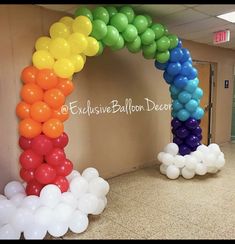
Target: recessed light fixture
pixel 228 16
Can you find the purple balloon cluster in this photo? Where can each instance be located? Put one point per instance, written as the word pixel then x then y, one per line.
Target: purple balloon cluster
pixel 187 134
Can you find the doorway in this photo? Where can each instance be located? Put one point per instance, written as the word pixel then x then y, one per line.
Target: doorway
pixel 233 115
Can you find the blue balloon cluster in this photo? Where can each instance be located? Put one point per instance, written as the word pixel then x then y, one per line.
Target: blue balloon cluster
pixel 180 74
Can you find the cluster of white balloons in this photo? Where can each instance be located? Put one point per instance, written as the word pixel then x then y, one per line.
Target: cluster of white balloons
pixel 206 159
pixel 53 212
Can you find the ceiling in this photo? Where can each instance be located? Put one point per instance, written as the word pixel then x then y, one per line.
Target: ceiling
pixel 195 22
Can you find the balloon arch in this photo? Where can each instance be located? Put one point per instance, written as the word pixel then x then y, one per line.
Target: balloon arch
pixel 56 191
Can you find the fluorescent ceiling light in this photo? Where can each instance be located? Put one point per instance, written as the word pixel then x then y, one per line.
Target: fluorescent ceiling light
pixel 229 16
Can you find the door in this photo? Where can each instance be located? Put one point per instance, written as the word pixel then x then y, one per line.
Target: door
pixel 233 116
pixel 204 76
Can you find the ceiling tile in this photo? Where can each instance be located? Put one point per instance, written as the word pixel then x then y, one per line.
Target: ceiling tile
pixel 215 9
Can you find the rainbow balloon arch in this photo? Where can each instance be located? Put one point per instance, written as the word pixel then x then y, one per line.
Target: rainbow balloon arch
pixel 54 197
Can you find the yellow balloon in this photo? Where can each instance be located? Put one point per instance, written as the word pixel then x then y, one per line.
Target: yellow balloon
pixel 59 48
pixel 43 43
pixel 92 47
pixel 77 61
pixel 68 21
pixel 83 25
pixel 84 57
pixel 43 60
pixel 64 68
pixel 59 29
pixel 77 42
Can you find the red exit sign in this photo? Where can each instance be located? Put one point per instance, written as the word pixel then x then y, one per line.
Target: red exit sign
pixel 221 36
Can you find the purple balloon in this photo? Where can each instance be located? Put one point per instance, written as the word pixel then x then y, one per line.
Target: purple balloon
pixel 191 123
pixel 183 149
pixel 175 123
pixel 177 140
pixel 199 137
pixel 182 132
pixel 197 131
pixel 173 131
pixel 192 141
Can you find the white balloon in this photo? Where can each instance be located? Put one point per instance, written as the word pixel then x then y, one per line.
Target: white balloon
pixel 90 174
pixel 72 175
pixel 50 195
pixel 213 147
pixel 43 216
pixel 7 210
pixel 78 186
pixel 201 169
pixel 88 203
pixel 79 222
pixel 209 159
pixel 171 148
pixel 163 168
pixel 18 199
pixel 35 231
pixel 31 202
pixel 12 188
pixel 220 162
pixel 62 212
pixel 159 156
pixel 197 154
pixel 8 233
pixel 99 187
pixel 187 174
pixel 2 197
pixel 172 172
pixel 69 198
pixel 57 228
pixel 190 162
pixel 167 159
pixel 105 201
pixel 203 148
pixel 212 169
pixel 100 207
pixel 179 161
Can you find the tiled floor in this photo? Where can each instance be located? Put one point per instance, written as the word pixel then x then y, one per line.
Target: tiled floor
pixel 147 205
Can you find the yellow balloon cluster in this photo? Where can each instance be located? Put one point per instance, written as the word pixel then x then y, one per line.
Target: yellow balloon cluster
pixel 66 48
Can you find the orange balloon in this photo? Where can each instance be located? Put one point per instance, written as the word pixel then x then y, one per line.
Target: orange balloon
pixel 60 115
pixel 29 74
pixel 30 128
pixel 53 128
pixel 23 110
pixel 40 111
pixel 31 93
pixel 66 86
pixel 46 79
pixel 54 98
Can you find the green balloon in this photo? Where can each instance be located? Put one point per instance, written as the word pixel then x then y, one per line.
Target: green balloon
pixel 130 33
pixel 163 44
pixel 149 19
pixel 119 44
pixel 101 48
pixel 148 56
pixel 150 50
pixel 141 23
pixel 83 11
pixel 174 40
pixel 119 21
pixel 147 37
pixel 163 57
pixel 158 30
pixel 134 46
pixel 166 32
pixel 128 11
pixel 99 29
pixel 111 37
pixel 101 13
pixel 111 10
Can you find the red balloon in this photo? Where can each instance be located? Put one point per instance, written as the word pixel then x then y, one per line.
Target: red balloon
pixel 30 160
pixel 25 143
pixel 62 183
pixel 26 175
pixel 33 188
pixel 65 168
pixel 45 174
pixel 61 141
pixel 42 144
pixel 55 157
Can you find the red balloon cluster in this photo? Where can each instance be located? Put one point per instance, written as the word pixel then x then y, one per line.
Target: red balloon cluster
pixel 43 162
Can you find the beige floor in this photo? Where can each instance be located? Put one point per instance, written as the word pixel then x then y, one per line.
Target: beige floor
pixel 147 205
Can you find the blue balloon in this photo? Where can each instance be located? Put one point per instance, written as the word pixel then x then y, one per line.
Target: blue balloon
pixel 191 105
pixel 160 65
pixel 198 93
pixel 176 54
pixel 184 97
pixel 180 81
pixel 186 69
pixel 174 68
pixel 179 44
pixel 190 60
pixel 193 74
pixel 176 105
pixel 183 114
pixel 174 90
pixel 168 78
pixel 186 55
pixel 191 85
pixel 198 114
pixel 174 97
pixel 173 113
